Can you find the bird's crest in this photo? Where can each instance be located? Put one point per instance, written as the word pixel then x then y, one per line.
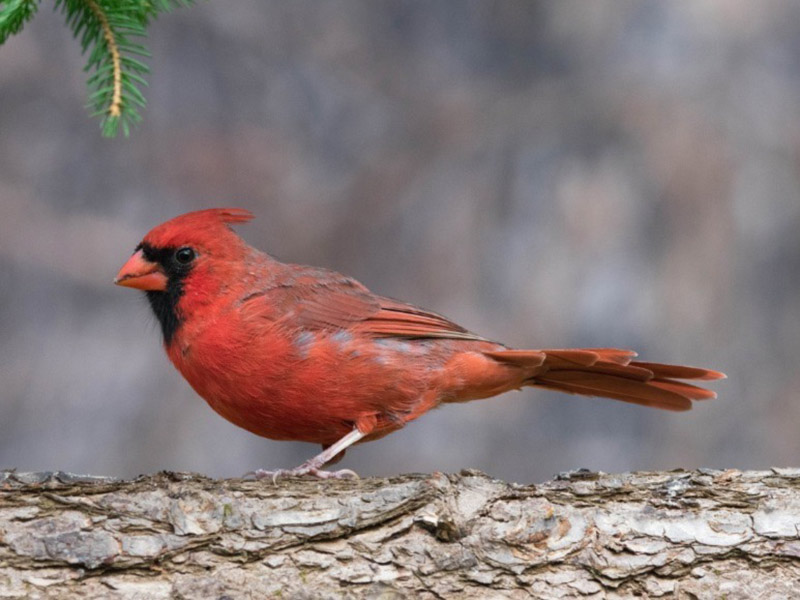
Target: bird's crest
pixel 229 215
pixel 206 225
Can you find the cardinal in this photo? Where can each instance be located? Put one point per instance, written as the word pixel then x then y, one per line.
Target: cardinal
pixel 292 352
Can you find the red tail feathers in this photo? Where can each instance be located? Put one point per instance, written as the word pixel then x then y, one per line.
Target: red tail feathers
pixel 611 373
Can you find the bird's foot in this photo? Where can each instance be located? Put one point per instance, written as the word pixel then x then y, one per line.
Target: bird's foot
pixel 300 471
pixel 313 466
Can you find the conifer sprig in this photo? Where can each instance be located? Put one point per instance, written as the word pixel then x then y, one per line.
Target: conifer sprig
pixel 111 33
pixel 14 14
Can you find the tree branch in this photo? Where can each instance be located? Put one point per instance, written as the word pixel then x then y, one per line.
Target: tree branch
pixel 698 534
pixel 114 108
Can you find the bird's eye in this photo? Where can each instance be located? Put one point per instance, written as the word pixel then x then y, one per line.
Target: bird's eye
pixel 184 256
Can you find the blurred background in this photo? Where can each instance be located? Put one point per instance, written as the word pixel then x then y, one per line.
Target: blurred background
pixel 548 174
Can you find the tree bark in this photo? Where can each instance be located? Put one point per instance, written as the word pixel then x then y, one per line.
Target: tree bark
pixel 684 534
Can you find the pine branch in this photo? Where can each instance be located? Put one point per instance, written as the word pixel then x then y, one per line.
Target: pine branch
pixel 14 14
pixel 110 32
pixel 115 105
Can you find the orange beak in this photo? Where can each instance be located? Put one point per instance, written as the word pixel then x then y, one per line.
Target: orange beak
pixel 141 274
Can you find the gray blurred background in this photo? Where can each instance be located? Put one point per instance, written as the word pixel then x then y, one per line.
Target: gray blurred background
pixel 548 174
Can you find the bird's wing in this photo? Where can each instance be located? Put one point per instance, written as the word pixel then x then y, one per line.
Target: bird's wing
pixel 399 319
pixel 317 299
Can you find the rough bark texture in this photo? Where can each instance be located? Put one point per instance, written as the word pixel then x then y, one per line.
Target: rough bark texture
pixel 698 534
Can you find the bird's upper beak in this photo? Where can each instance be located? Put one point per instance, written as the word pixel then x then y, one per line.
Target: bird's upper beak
pixel 141 274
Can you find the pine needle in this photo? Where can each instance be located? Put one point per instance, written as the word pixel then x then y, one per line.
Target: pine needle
pixel 110 33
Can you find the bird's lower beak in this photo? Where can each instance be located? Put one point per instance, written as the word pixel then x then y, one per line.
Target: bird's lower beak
pixel 141 274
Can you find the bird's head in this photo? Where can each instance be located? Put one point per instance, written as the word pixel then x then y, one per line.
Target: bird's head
pixel 188 250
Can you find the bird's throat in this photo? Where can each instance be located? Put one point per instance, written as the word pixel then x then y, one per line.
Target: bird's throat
pixel 165 307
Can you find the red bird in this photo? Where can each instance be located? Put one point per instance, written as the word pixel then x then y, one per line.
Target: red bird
pixel 291 352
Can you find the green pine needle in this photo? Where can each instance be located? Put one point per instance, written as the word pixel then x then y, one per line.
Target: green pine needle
pixel 14 14
pixel 110 31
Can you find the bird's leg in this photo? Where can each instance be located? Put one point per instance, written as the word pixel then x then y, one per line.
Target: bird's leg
pixel 313 466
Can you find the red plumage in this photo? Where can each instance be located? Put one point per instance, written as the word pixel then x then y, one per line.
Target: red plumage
pixel 291 352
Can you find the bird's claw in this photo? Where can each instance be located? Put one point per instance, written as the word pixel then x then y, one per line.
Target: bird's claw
pixel 300 471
